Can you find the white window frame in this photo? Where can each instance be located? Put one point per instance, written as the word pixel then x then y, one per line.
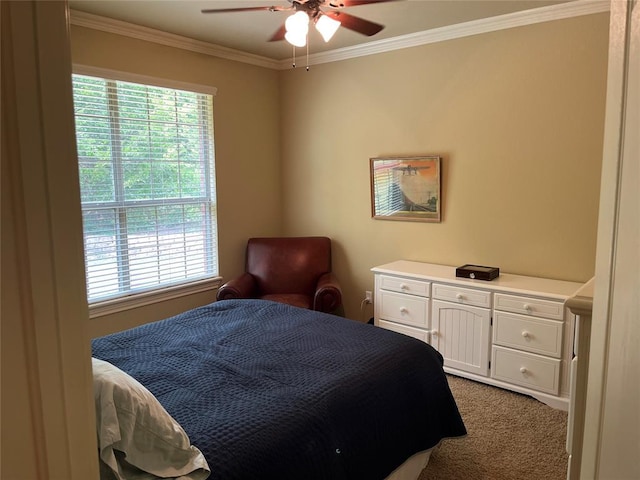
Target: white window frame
pixel 163 293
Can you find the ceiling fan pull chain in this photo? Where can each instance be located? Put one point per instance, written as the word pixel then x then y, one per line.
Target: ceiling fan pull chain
pixel 307 53
pixel 294 55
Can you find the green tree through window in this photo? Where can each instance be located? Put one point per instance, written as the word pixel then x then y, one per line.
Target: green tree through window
pixel 147 185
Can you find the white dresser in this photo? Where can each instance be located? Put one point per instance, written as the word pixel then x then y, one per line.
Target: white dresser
pixel 513 332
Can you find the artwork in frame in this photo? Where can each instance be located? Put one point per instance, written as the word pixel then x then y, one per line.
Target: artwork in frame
pixel 406 188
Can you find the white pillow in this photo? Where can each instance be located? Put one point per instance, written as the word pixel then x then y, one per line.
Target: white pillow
pixel 136 436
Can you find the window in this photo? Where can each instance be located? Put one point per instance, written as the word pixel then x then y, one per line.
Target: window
pixel 147 185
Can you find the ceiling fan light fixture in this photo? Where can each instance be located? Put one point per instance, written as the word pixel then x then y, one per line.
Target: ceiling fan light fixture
pixel 296 39
pixel 327 26
pixel 297 27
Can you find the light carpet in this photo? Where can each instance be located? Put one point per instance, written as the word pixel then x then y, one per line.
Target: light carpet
pixel 510 437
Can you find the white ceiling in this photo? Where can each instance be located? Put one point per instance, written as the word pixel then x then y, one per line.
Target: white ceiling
pixel 249 31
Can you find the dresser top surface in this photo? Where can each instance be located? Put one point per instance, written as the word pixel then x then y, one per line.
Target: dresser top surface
pixel 504 283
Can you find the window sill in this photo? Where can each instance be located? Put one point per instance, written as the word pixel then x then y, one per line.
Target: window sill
pixel 108 307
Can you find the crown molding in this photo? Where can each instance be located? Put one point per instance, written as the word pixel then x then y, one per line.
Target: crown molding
pixel 110 25
pixel 560 11
pixel 518 19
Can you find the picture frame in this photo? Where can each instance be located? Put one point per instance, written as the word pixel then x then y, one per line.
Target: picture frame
pixel 406 188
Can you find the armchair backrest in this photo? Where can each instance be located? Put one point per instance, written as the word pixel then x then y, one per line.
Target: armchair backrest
pixel 288 264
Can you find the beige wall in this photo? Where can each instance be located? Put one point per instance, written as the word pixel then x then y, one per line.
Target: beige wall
pixel 27 393
pixel 247 142
pixel 517 116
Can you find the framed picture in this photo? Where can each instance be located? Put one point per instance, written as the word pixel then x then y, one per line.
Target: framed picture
pixel 406 188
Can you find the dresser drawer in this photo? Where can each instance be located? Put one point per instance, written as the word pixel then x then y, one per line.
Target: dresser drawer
pixel 526 369
pixel 405 309
pixel 536 335
pixel 404 285
pixel 410 331
pixel 464 296
pixel 529 306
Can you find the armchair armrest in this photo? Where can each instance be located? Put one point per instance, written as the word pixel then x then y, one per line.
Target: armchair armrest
pixel 243 286
pixel 328 296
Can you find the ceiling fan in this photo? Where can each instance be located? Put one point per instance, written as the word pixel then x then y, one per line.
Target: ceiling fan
pixel 327 15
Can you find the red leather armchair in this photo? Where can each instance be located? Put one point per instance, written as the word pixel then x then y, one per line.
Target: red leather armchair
pixel 293 270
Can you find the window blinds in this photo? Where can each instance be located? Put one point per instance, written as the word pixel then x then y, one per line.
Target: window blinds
pixel 147 185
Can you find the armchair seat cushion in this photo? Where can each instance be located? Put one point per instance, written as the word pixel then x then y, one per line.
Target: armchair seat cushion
pixel 295 299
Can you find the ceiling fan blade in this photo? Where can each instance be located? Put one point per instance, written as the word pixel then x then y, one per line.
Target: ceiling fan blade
pixel 279 34
pixel 244 9
pixel 356 24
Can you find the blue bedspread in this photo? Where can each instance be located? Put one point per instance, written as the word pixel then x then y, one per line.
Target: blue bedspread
pixel 268 391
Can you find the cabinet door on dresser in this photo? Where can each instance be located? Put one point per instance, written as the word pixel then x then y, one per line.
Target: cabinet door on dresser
pixel 461 333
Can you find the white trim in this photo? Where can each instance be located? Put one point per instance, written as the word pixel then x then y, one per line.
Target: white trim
pixel 502 22
pixel 612 362
pixel 48 369
pixel 105 24
pixel 560 11
pixel 116 305
pixel 143 79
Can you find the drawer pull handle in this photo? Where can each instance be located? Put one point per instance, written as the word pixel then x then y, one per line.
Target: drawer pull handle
pixel 459 296
pixel 404 286
pixel 526 334
pixel 523 370
pixel 404 310
pixel 527 307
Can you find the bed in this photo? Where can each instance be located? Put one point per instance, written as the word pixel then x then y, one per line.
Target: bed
pixel 262 390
